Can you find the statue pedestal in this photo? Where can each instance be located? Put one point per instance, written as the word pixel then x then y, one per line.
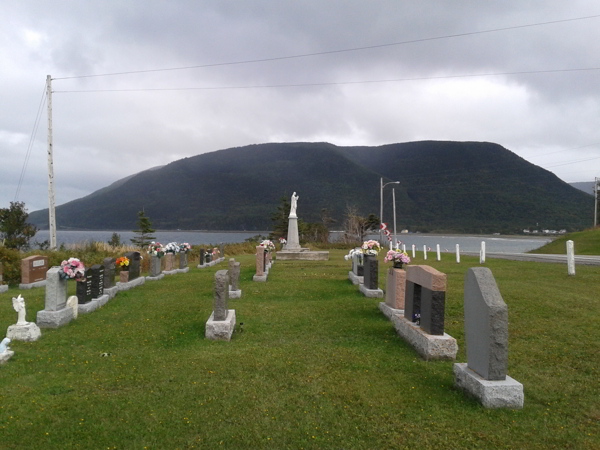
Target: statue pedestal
pixel 28 332
pixel 293 241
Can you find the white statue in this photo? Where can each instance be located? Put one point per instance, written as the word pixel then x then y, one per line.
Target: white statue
pixel 19 307
pixel 294 205
pixel 4 345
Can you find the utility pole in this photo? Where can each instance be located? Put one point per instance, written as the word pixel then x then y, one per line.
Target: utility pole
pixel 51 202
pixel 380 210
pixel 596 186
pixel 394 201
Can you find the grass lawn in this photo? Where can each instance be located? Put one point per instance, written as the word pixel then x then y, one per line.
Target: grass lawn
pixel 586 243
pixel 317 366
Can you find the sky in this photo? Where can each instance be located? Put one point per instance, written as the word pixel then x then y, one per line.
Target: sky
pixel 343 71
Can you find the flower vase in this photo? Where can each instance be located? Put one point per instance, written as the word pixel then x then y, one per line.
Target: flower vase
pixel 397 264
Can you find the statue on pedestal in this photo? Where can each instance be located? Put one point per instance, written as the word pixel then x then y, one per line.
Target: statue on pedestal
pixel 294 205
pixel 22 330
pixel 19 307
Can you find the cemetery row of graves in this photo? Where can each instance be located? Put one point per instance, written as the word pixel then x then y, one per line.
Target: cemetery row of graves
pixel 414 300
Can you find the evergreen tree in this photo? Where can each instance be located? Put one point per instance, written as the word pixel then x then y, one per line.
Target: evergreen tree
pixel 280 219
pixel 144 232
pixel 15 232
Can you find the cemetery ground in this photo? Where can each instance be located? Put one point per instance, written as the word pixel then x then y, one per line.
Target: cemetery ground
pixel 316 366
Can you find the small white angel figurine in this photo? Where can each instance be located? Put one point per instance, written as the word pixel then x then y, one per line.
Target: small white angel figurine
pixel 19 307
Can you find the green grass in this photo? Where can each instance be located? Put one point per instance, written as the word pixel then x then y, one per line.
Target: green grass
pixel 317 366
pixel 586 243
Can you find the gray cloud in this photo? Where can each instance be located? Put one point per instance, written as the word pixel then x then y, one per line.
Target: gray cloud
pixel 101 137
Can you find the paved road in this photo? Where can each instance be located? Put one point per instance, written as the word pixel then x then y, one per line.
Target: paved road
pixel 584 260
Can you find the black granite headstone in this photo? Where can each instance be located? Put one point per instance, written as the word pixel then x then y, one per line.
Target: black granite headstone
pixel 134 265
pixel 202 251
pixel 84 288
pixel 432 311
pixel 110 266
pixel 208 257
pixel 97 280
pixel 412 302
pixel 360 270
pixel 371 272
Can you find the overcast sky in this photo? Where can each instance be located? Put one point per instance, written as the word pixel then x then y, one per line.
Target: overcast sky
pixel 550 119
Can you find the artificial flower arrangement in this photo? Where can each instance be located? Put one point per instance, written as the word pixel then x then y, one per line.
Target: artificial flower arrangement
pixel 171 247
pixel 156 249
pixel 351 253
pixel 215 251
pixel 123 262
pixel 282 241
pixel 398 258
pixel 72 269
pixel 371 248
pixel 268 245
pixel 184 247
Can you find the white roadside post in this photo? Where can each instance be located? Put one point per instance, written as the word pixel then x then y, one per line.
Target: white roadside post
pixel 439 257
pixel 413 251
pixel 457 254
pixel 571 257
pixel 424 252
pixel 482 253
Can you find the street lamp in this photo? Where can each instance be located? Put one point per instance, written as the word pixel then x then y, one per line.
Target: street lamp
pixel 381 205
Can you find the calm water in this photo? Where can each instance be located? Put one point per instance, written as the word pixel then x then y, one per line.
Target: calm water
pixel 467 243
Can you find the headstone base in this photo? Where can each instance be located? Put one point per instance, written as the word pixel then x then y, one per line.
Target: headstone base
pixel 506 393
pixel 131 284
pixel 429 346
pixel 6 356
pixel 260 277
pixel 235 294
pixel 54 319
pixel 85 308
pixel 3 288
pixel 159 277
pixel 102 300
pixel 355 279
pixel 220 330
pixel 33 285
pixel 111 292
pixel 184 270
pixel 308 255
pixel 28 333
pixel 169 272
pixel 371 293
pixel 388 311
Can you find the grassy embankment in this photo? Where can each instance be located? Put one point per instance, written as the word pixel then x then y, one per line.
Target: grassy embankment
pixel 586 243
pixel 317 366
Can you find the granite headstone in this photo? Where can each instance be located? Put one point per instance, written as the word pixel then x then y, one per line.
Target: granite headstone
pixel 221 295
pixel 110 266
pixel 84 288
pixel 97 272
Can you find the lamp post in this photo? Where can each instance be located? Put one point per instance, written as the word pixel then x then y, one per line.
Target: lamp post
pixel 381 206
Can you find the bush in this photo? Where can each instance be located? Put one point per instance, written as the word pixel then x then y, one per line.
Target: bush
pixel 11 264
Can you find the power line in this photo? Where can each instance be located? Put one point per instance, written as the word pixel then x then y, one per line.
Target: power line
pixel 333 83
pixel 330 52
pixel 31 141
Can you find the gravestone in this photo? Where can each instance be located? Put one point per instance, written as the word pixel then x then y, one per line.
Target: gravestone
pixel 222 248
pixel 84 288
pixel 33 271
pixel 221 322
pixel 394 292
pixel 55 312
pixel 486 331
pixel 235 277
pixel 260 264
pixel 422 324
pixel 425 295
pixel 208 257
pixel 230 266
pixel 134 265
pixel 97 271
pixel 3 287
pixel 202 251
pixel 110 267
pixel 371 275
pixel 183 260
pixel 154 268
pixel 169 257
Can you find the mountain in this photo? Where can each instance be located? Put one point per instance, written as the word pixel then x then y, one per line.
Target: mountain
pixel 445 186
pixel 585 186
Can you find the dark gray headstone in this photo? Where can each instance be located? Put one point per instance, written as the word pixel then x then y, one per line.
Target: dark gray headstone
pixel 412 302
pixel 432 311
pixel 202 251
pixel 231 264
pixel 84 288
pixel 110 267
pixel 360 270
pixel 97 280
pixel 208 257
pixel 183 260
pixel 371 275
pixel 221 295
pixel 154 268
pixel 222 247
pixel 134 265
pixel 486 325
pixel 235 277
